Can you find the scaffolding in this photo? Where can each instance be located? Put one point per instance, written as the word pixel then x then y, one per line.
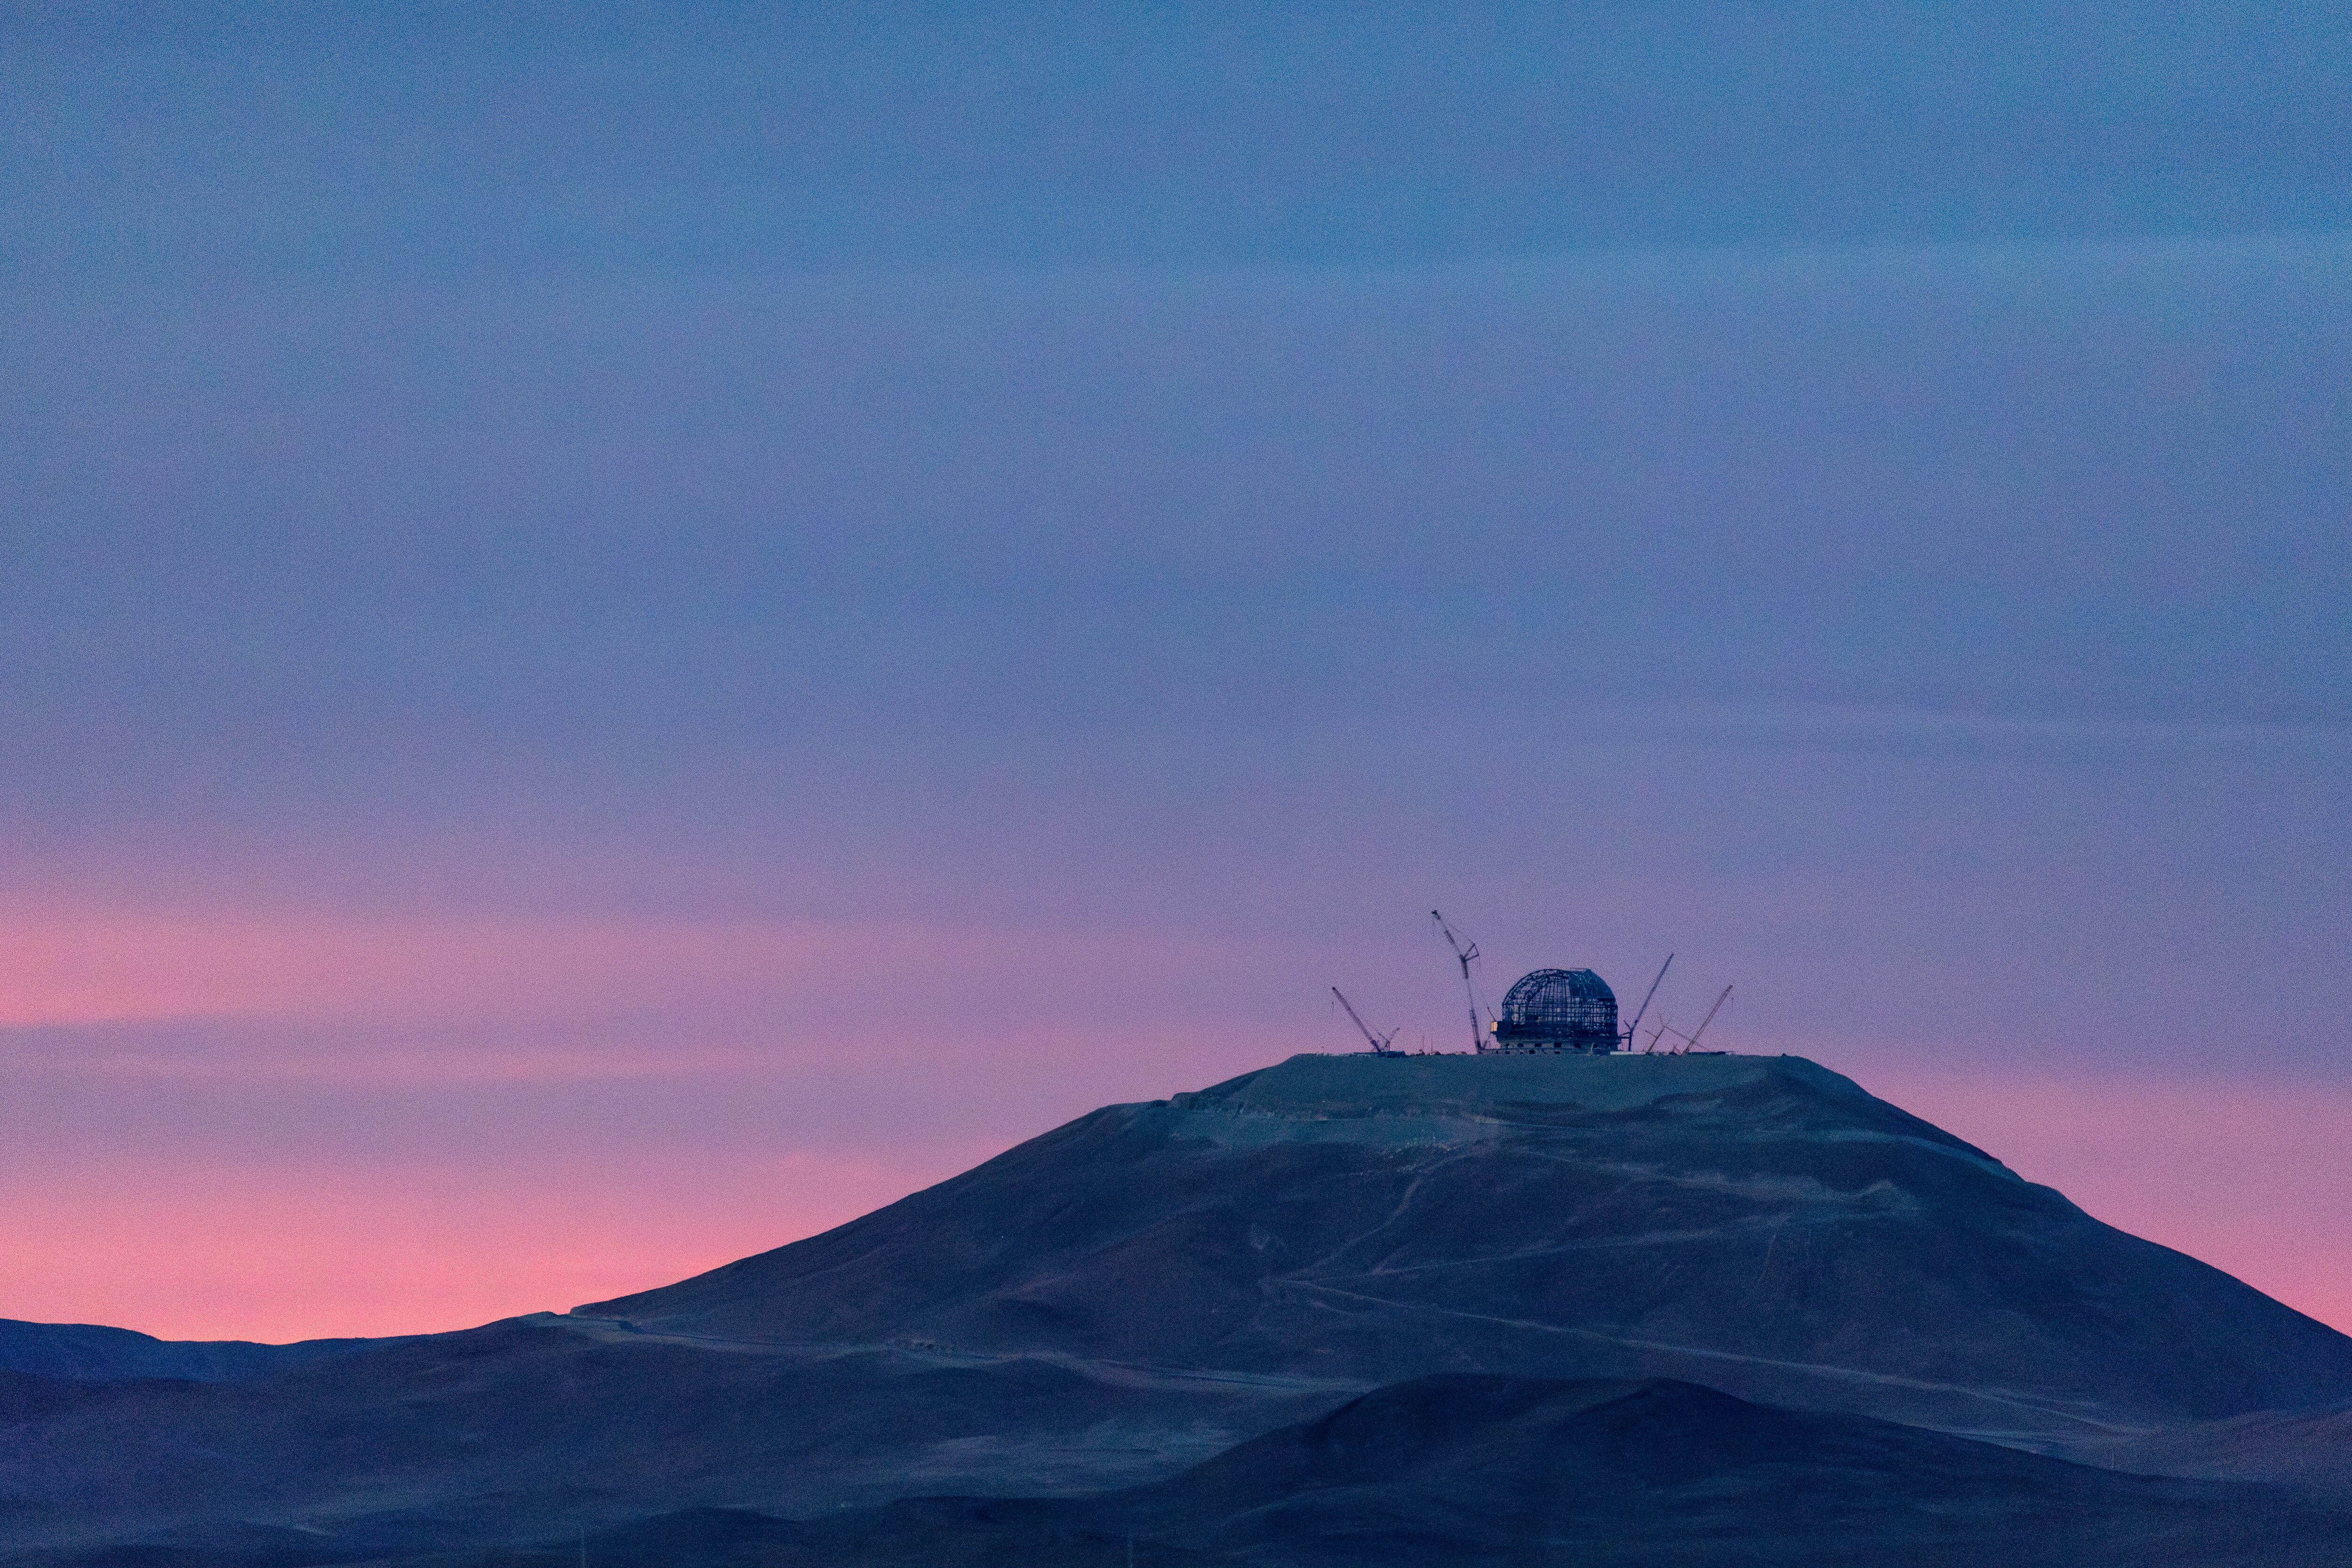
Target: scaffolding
pixel 1559 1010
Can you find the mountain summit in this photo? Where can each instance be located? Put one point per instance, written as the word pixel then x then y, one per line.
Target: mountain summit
pixel 1758 1224
pixel 1210 1324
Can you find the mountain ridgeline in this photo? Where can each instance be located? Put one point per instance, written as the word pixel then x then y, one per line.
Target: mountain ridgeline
pixel 1346 1309
pixel 1760 1225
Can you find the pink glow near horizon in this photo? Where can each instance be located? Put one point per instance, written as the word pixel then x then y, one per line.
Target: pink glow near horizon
pixel 195 1251
pixel 203 1237
pixel 203 1251
pixel 2249 1177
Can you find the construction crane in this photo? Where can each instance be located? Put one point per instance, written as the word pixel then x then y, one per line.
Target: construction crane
pixel 1379 1043
pixel 1690 1041
pixel 1463 953
pixel 1635 1028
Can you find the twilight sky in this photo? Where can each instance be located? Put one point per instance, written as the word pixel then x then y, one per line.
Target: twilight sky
pixel 625 632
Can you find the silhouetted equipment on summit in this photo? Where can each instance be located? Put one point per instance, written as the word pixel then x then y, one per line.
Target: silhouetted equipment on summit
pixel 1379 1043
pixel 1548 1010
pixel 1465 952
pixel 1634 1027
pixel 1690 1041
pixel 1559 1010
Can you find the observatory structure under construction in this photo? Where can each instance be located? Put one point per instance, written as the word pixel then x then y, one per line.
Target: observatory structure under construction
pixel 1559 1010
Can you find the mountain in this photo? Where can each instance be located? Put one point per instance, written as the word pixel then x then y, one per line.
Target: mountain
pixel 501 1432
pixel 1467 1468
pixel 1133 1300
pixel 2310 1450
pixel 1759 1224
pixel 91 1352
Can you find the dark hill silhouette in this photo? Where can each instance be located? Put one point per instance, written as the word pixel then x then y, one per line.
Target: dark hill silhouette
pixel 91 1352
pixel 1758 1224
pixel 2308 1449
pixel 1116 1304
pixel 1470 1469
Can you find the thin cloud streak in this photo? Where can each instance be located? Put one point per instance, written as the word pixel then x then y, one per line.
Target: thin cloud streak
pixel 1958 733
pixel 78 967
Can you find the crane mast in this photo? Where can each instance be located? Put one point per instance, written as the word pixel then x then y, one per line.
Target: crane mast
pixel 1464 953
pixel 1635 1028
pixel 1691 1043
pixel 1379 1043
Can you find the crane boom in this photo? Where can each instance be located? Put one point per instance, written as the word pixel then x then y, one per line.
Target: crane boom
pixel 1379 1043
pixel 1635 1028
pixel 1464 953
pixel 1693 1042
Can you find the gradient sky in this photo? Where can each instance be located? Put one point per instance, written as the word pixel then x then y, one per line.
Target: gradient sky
pixel 627 631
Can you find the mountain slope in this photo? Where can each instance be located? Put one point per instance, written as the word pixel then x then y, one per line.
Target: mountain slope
pixel 91 1352
pixel 1129 1295
pixel 497 1433
pixel 1759 1224
pixel 2309 1451
pixel 1461 1469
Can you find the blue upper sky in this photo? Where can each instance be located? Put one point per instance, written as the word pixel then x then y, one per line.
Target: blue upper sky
pixel 165 142
pixel 1853 489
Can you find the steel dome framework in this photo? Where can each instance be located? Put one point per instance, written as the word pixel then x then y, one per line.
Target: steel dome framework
pixel 1559 1010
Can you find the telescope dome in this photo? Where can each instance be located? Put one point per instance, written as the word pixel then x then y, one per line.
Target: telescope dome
pixel 1559 1010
